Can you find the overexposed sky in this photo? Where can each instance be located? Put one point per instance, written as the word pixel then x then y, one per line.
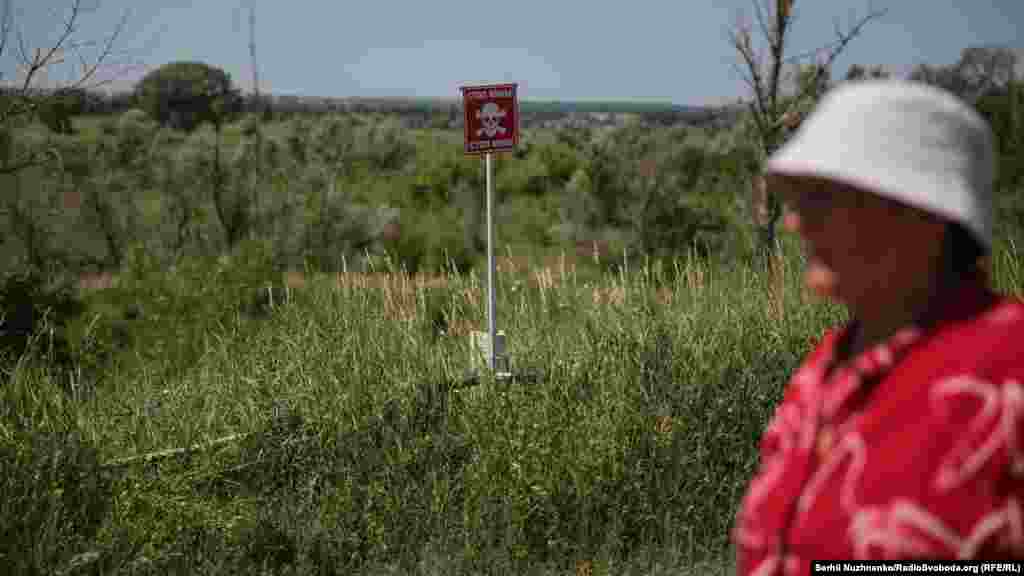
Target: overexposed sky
pixel 674 50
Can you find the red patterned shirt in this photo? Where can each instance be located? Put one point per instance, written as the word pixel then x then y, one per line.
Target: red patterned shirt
pixel 912 450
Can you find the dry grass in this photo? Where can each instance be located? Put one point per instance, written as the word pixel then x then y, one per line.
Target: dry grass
pixel 92 282
pixel 777 287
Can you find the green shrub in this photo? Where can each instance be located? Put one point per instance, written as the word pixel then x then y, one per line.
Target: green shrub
pixel 34 319
pixel 57 109
pixel 561 160
pixel 184 95
pixel 431 243
pixel 54 500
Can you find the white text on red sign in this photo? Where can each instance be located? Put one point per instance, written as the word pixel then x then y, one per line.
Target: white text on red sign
pixel 488 94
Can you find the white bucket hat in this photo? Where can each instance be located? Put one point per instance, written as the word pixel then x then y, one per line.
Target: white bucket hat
pixel 909 142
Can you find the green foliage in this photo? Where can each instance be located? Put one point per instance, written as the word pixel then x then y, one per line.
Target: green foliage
pixel 647 184
pixel 56 110
pixel 859 72
pixel 332 141
pixel 362 452
pixel 1004 110
pixel 119 168
pixel 296 142
pixel 430 242
pixel 985 76
pixel 34 318
pixel 382 145
pixel 184 95
pixel 444 170
pixel 304 187
pixel 579 209
pixel 582 107
pixel 560 160
pixel 529 176
pixel 175 330
pixel 363 449
pixel 182 176
pixel 29 222
pixel 978 70
pixel 53 497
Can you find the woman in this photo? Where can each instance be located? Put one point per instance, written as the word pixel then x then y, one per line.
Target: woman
pixel 902 435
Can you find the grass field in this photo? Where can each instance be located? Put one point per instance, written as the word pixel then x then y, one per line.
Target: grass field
pixel 224 418
pixel 337 437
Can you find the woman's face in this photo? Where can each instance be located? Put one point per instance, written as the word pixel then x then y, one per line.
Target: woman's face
pixel 867 252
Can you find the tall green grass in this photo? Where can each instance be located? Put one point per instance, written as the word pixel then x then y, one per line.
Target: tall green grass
pixel 356 447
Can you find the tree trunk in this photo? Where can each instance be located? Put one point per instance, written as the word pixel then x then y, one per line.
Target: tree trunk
pixel 768 210
pixel 766 234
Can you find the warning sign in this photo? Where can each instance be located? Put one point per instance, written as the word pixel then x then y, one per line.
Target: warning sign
pixel 492 118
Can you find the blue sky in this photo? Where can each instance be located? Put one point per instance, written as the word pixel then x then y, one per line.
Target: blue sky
pixel 675 50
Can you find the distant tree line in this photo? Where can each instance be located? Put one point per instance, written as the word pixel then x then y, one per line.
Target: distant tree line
pixel 57 107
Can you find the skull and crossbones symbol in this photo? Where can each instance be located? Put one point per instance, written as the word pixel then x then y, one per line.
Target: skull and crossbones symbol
pixel 490 116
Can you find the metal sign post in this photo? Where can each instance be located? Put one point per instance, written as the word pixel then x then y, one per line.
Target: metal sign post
pixel 491 323
pixel 491 125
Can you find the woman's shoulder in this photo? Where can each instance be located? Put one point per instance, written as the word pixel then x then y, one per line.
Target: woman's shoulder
pixel 808 374
pixel 1007 312
pixel 1003 327
pixel 993 338
pixel 1001 323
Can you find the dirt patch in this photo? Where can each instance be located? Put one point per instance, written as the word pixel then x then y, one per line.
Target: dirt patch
pixel 94 281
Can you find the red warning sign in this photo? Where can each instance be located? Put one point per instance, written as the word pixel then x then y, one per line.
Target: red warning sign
pixel 492 118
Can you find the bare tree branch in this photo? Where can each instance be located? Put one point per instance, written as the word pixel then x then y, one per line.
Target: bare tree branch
pixel 810 53
pixel 782 21
pixel 81 58
pixel 774 22
pixel 26 99
pixel 107 50
pixel 744 76
pixel 765 90
pixel 33 65
pixel 5 26
pixel 69 28
pixel 842 41
pixel 741 41
pixel 759 15
pixel 759 118
pixel 23 50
